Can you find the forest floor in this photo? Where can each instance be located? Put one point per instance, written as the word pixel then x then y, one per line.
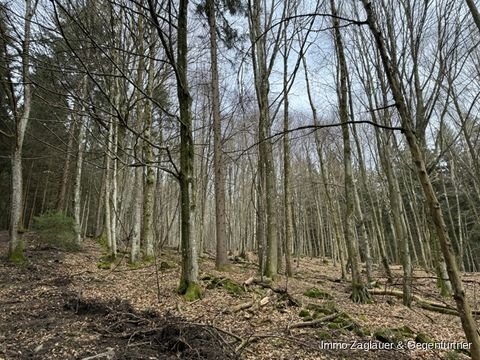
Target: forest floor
pixel 61 305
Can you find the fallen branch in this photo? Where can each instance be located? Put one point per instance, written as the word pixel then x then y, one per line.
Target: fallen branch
pixel 313 323
pixel 242 306
pixel 109 355
pixel 423 303
pixel 267 284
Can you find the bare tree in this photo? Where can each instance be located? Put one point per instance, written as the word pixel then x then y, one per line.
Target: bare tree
pixel 21 117
pixel 189 276
pixel 221 259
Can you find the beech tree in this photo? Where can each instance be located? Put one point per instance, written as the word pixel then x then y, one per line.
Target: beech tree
pixel 20 118
pixel 189 276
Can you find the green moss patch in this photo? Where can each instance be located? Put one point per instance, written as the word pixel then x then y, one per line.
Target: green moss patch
pixel 395 336
pixel 165 265
pixel 304 313
pixel 106 262
pixel 324 335
pixel 16 256
pixel 191 291
pixel 326 308
pixel 232 287
pixel 316 293
pixel 102 241
pixel 423 338
pixel 56 229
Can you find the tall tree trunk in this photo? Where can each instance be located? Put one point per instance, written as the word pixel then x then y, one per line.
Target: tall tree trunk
pixel 107 187
pixel 62 194
pixel 138 147
pixel 287 193
pixel 77 185
pixel 149 193
pixel 262 69
pixel 463 307
pixel 114 203
pixel 99 222
pixel 330 206
pixel 189 276
pixel 221 259
pixel 359 290
pixel 15 246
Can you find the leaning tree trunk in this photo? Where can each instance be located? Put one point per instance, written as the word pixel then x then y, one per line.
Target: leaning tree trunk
pixel 463 307
pixel 475 13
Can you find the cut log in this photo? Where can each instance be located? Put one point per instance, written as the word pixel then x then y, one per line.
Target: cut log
pixel 249 281
pixel 242 306
pixel 265 301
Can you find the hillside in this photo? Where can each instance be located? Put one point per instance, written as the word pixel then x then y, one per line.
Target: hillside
pixel 64 306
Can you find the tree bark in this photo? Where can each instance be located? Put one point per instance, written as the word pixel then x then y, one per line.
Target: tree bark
pixel 62 194
pixel 359 290
pixel 189 276
pixel 221 259
pixel 149 192
pixel 475 13
pixel 15 246
pixel 77 185
pixel 262 69
pixel 287 193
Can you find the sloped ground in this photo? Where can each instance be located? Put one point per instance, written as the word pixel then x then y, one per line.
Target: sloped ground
pixel 62 306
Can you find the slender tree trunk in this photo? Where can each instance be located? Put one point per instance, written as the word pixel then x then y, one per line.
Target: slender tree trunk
pixel 359 290
pixel 77 185
pixel 149 193
pixel 15 246
pixel 331 208
pixel 287 196
pixel 100 204
pixel 62 194
pixel 364 238
pixel 107 187
pixel 137 149
pixel 45 191
pixel 221 259
pixel 114 204
pixel 262 69
pixel 189 276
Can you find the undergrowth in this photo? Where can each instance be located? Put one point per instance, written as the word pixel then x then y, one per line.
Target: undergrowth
pixel 56 229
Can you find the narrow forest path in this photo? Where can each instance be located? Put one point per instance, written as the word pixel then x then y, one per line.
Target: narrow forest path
pixel 63 306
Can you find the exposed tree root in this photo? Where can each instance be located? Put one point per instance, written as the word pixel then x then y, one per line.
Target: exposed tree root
pixel 360 294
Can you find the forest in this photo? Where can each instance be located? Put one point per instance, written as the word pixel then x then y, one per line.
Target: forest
pixel 239 179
